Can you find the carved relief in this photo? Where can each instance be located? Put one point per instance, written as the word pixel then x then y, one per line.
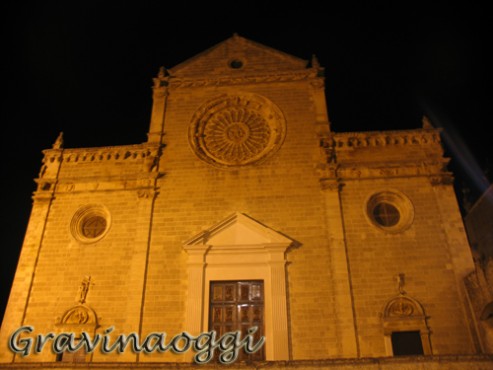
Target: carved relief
pixel 236 130
pixel 400 283
pixel 445 179
pixel 309 74
pixel 404 313
pixel 330 184
pixel 236 135
pixel 401 307
pixel 389 171
pixel 328 146
pixel 151 160
pixel 436 171
pixel 83 289
pixel 76 315
pixel 377 139
pixel 119 153
pixel 145 193
pixel 80 315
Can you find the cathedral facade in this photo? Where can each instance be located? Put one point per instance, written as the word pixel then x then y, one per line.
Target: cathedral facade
pixel 244 209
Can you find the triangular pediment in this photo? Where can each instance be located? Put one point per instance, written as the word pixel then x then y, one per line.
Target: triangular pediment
pixel 238 56
pixel 238 229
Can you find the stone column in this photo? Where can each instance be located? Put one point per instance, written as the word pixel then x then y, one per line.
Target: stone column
pixel 196 269
pixel 279 306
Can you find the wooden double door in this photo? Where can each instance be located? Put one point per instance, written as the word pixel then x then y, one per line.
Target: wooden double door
pixel 238 305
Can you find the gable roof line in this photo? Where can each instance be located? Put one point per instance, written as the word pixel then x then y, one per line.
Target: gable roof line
pixel 244 39
pixel 275 51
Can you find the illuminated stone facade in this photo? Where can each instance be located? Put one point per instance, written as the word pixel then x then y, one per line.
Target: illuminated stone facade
pixel 479 225
pixel 352 237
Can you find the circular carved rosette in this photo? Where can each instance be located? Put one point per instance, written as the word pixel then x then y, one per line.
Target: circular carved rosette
pixel 401 307
pixel 236 130
pixel 77 315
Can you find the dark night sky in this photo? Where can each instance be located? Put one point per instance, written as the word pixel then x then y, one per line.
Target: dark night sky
pixel 86 70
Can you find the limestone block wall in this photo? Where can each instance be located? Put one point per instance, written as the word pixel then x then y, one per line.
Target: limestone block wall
pixel 56 259
pixel 314 187
pixel 282 192
pixel 430 250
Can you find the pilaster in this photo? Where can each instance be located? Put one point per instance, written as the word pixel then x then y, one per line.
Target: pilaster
pixel 341 274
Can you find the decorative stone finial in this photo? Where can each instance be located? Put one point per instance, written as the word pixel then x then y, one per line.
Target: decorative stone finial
pixel 84 289
pixel 426 122
pixel 162 72
pixel 315 62
pixel 400 283
pixel 328 145
pixel 318 69
pixel 58 144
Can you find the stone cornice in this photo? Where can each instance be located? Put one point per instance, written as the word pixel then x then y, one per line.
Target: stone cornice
pixel 435 169
pixel 108 178
pixel 142 179
pixel 331 184
pixel 177 82
pixel 141 183
pixel 352 140
pixel 115 153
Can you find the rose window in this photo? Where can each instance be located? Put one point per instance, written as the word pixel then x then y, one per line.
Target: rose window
pixel 236 130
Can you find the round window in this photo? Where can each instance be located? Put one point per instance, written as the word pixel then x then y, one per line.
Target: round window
pixel 385 214
pixel 93 226
pixel 90 223
pixel 236 64
pixel 390 211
